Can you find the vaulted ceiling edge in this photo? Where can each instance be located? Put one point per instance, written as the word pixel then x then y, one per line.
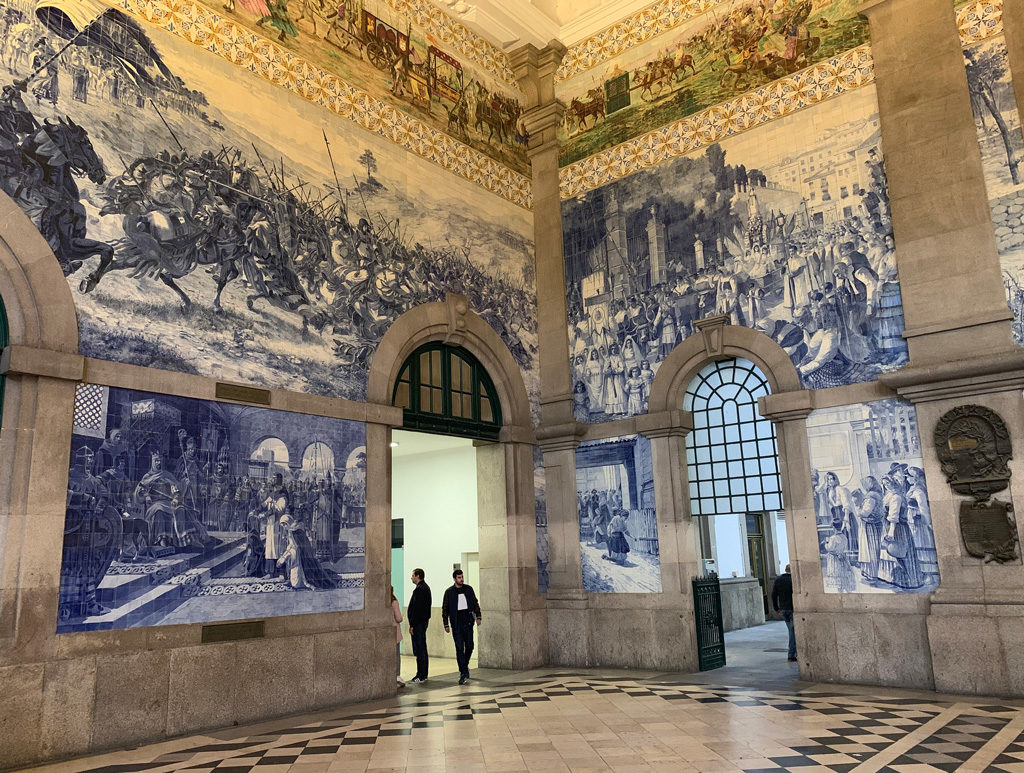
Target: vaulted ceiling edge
pixel 233 42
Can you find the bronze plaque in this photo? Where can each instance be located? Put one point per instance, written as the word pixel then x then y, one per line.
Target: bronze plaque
pixel 243 394
pixel 973 445
pixel 988 530
pixel 254 629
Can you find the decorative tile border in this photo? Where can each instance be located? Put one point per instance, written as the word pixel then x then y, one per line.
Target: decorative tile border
pixel 643 25
pixel 209 30
pixel 477 49
pixel 848 71
pixel 979 19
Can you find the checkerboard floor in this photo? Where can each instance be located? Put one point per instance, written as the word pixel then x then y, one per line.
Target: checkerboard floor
pixel 611 721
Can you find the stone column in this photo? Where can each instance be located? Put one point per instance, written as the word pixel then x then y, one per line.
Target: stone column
pixel 567 603
pixel 535 71
pixel 940 211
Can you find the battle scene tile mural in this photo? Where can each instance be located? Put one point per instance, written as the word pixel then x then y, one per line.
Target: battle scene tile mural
pixel 210 222
pixel 618 522
pixel 730 48
pixel 871 506
pixel 190 511
pixel 785 228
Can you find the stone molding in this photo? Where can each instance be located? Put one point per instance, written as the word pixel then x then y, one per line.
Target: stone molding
pixel 560 437
pixel 451 322
pixel 992 317
pixel 786 406
pixel 959 379
pixel 676 423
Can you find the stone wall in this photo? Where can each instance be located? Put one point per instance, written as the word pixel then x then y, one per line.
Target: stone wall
pixel 742 603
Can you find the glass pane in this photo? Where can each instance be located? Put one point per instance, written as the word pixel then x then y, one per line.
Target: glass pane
pixel 467 374
pixel 425 368
pixel 467 406
pixel 436 401
pixel 402 395
pixel 456 406
pixel 435 368
pixel 424 398
pixel 485 410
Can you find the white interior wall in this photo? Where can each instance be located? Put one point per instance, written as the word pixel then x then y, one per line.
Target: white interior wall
pixel 434 492
pixel 730 546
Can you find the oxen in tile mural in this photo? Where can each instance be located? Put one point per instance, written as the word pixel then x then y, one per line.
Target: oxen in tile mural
pixel 618 522
pixel 870 499
pixel 188 511
pixel 784 228
pixel 207 223
pixel 733 47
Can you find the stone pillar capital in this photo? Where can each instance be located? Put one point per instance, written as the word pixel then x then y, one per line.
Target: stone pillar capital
pixel 535 69
pixel 560 437
pixel 677 423
pixel 786 406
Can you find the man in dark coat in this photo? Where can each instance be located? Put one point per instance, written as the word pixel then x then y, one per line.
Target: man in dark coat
pixel 419 617
pixel 459 611
pixel 782 601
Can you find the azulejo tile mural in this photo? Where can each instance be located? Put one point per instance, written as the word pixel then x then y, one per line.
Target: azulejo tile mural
pixel 189 511
pixel 618 521
pixel 997 120
pixel 731 48
pixel 208 223
pixel 812 86
pixel 540 490
pixel 871 500
pixel 784 228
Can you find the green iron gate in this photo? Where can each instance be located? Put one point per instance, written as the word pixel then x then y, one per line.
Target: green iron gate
pixel 707 608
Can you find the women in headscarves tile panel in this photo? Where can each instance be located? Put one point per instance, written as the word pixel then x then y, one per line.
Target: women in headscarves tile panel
pixel 870 499
pixel 784 228
pixel 189 511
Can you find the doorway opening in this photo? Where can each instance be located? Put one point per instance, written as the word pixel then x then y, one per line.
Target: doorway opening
pixel 736 494
pixel 447 490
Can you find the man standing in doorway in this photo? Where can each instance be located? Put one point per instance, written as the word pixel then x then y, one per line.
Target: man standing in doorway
pixel 782 601
pixel 419 617
pixel 459 611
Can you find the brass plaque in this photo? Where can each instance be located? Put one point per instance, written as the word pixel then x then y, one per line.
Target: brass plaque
pixel 254 629
pixel 243 394
pixel 961 443
pixel 988 530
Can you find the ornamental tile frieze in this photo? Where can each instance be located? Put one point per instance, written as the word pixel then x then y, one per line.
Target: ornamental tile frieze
pixel 272 61
pixel 979 20
pixel 816 84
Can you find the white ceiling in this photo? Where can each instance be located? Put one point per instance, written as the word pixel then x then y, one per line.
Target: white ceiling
pixel 513 23
pixel 410 443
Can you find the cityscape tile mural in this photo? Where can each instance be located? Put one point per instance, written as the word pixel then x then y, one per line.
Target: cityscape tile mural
pixel 997 120
pixel 208 223
pixel 190 511
pixel 724 50
pixel 618 522
pixel 870 499
pixel 784 228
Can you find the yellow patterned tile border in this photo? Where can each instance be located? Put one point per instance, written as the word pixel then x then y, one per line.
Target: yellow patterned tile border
pixel 979 19
pixel 211 31
pixel 848 71
pixel 632 31
pixel 477 49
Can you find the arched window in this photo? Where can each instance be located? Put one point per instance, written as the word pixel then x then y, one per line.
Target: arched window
pixel 444 389
pixel 732 454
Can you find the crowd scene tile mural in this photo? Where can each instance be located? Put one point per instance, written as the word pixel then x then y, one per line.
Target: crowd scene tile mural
pixel 540 489
pixel 208 224
pixel 618 521
pixel 870 499
pixel 784 228
pixel 190 511
pixel 997 120
pixel 730 48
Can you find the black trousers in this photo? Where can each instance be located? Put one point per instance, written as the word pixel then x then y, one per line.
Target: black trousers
pixel 419 649
pixel 462 632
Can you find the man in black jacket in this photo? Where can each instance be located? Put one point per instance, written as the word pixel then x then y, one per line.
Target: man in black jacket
pixel 461 609
pixel 782 601
pixel 418 617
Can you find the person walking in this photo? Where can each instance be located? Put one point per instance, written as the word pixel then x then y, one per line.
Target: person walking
pixel 396 615
pixel 459 610
pixel 782 601
pixel 419 617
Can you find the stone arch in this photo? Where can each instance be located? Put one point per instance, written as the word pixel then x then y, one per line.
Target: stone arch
pixel 40 307
pixel 719 341
pixel 453 323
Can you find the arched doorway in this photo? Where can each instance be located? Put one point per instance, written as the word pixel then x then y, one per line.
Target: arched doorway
pixel 460 389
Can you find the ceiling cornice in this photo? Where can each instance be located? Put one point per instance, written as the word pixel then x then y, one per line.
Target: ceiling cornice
pixel 506 23
pixel 602 17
